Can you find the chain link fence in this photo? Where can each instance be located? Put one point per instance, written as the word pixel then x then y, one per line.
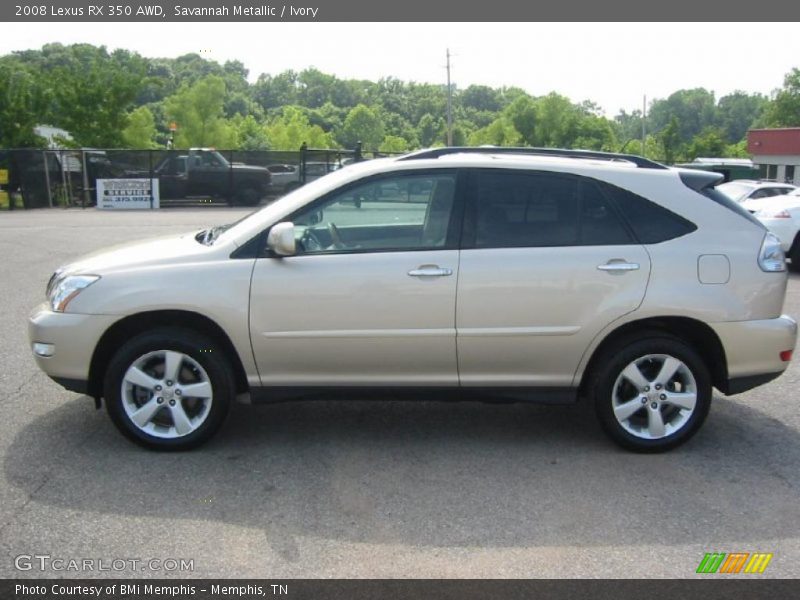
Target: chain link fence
pixel 32 178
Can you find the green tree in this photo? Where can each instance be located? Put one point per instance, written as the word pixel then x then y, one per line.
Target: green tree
pixel 291 129
pixel 429 130
pixel 481 98
pixel 21 105
pixel 710 142
pixel 362 125
pixel 140 132
pixel 250 134
pixel 500 132
pixel 737 112
pixel 89 91
pixel 670 141
pixel 198 111
pixel 784 110
pixel 393 143
pixel 523 115
pixel 694 109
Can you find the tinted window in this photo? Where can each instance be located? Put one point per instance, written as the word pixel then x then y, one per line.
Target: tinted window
pixel 650 222
pixel 599 222
pixel 526 209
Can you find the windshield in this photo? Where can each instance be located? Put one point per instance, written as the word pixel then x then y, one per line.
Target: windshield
pixel 735 191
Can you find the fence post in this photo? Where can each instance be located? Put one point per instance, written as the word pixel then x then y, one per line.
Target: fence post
pixel 357 157
pixel 47 178
pixel 64 180
pixel 150 169
pixel 86 198
pixel 303 157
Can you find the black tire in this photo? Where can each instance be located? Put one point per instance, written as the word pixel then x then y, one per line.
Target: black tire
pixel 248 196
pixel 201 351
pixel 608 375
pixel 794 255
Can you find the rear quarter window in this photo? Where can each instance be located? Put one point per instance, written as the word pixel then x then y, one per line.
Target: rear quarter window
pixel 650 222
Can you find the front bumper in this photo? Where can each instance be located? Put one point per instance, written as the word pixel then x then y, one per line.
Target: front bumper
pixel 753 350
pixel 70 339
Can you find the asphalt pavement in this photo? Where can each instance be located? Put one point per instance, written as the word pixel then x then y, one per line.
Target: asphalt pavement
pixel 368 488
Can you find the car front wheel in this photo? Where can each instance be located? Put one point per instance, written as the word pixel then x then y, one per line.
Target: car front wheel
pixel 652 394
pixel 168 389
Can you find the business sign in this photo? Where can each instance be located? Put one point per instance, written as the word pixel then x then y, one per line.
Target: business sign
pixel 127 193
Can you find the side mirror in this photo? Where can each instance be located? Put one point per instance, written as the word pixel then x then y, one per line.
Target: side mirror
pixel 281 239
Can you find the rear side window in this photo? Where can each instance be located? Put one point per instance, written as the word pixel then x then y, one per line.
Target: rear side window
pixel 535 209
pixel 650 222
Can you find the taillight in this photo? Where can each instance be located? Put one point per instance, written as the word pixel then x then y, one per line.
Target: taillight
pixel 786 355
pixel 772 213
pixel 771 258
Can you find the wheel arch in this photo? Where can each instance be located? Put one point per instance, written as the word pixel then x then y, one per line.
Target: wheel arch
pixel 695 333
pixel 138 323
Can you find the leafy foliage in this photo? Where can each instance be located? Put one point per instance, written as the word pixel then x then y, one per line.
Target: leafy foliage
pixel 113 99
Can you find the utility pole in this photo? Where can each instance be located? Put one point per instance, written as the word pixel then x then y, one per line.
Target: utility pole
pixel 449 104
pixel 644 122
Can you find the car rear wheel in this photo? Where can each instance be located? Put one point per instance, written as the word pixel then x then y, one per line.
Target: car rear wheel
pixel 168 389
pixel 652 394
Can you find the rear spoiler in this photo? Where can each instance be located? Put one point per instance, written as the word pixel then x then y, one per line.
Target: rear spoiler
pixel 699 180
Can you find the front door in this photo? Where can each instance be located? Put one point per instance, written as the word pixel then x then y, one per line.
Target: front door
pixel 369 299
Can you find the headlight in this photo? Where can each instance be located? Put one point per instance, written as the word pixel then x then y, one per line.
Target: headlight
pixel 62 291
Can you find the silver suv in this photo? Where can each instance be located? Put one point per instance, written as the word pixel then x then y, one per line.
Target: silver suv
pixel 531 274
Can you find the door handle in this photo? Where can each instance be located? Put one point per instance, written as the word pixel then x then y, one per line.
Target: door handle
pixel 618 265
pixel 430 271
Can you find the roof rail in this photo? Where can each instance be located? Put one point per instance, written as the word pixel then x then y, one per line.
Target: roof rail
pixel 642 163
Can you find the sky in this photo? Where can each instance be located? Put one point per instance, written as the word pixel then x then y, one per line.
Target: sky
pixel 612 64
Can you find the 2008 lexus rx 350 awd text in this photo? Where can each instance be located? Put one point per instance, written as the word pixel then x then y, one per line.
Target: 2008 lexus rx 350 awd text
pixel 524 273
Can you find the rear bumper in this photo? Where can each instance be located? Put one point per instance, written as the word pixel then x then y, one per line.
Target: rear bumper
pixel 753 350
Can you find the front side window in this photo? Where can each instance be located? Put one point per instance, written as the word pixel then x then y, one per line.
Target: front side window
pixel 402 212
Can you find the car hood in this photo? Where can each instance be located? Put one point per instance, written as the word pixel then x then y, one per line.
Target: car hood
pixel 152 252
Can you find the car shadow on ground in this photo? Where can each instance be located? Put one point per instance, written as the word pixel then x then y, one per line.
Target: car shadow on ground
pixel 427 473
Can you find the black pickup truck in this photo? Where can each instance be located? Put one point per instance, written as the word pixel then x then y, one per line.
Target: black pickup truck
pixel 204 173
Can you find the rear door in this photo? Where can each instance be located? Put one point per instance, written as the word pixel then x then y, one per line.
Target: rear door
pixel 547 262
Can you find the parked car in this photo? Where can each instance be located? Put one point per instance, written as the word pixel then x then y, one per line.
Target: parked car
pixel 748 189
pixel 530 274
pixel 781 215
pixel 283 176
pixel 204 172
